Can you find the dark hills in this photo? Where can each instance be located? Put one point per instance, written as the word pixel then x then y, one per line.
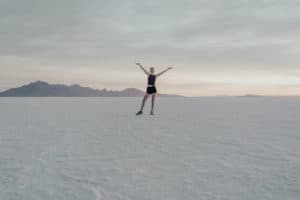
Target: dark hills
pixel 43 89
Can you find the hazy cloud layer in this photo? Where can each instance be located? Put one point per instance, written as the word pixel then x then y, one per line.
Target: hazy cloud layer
pixel 57 39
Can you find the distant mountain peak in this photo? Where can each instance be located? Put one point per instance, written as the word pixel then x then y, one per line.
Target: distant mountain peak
pixel 39 83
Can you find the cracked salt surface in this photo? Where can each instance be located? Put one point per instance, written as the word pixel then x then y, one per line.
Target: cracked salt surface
pixel 193 148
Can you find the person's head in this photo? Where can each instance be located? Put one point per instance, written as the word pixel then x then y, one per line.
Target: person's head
pixel 152 70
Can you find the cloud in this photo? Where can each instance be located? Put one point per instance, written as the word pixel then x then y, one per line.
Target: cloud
pixel 108 35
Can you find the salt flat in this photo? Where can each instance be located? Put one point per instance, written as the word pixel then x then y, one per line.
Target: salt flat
pixel 225 148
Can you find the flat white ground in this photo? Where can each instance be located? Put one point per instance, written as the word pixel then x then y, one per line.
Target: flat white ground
pixel 193 148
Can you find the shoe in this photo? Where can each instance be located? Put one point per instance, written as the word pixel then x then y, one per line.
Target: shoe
pixel 151 113
pixel 139 113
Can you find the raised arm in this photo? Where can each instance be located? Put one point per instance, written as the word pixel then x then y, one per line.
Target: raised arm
pixel 147 73
pixel 164 71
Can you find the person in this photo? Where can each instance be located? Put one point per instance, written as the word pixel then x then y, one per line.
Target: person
pixel 151 88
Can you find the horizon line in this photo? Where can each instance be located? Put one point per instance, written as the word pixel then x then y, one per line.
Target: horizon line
pixel 189 96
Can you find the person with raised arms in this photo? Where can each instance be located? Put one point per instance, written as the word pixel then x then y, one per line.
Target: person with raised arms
pixel 151 88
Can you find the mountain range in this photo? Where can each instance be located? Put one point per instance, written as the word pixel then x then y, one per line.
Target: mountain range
pixel 44 89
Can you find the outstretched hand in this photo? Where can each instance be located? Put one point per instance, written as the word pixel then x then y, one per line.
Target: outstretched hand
pixel 139 64
pixel 169 68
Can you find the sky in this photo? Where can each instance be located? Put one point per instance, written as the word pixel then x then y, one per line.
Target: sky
pixel 229 47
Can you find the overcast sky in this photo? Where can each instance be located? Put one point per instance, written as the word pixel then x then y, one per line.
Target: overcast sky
pixel 228 47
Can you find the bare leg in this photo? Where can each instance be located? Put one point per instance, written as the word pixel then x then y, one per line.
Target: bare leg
pixel 144 101
pixel 152 103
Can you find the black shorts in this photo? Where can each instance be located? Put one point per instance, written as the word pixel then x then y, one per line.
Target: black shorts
pixel 151 90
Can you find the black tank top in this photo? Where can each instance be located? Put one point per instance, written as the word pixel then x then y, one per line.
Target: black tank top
pixel 151 80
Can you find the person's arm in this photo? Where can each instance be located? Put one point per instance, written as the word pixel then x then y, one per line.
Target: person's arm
pixel 147 73
pixel 164 71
